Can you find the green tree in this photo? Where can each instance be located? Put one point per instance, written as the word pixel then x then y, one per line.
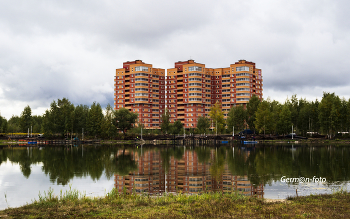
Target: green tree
pixel 46 126
pixel 59 118
pixel 176 127
pixel 124 119
pixel 237 117
pixel 264 120
pixel 343 115
pixel 65 115
pixel 314 118
pixel 95 119
pixel 14 124
pixel 108 129
pixel 81 113
pixel 37 121
pixel 217 117
pixel 329 113
pixel 275 109
pixel 164 126
pixel 26 119
pixel 203 124
pixel 284 123
pixel 252 107
pixel 3 125
pixel 293 107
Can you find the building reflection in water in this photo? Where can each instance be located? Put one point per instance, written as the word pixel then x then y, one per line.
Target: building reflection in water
pixel 187 175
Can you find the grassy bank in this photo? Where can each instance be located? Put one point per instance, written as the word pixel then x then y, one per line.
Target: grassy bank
pixel 214 205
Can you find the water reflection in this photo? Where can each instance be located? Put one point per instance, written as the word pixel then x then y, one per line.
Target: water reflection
pixel 187 169
pixel 183 170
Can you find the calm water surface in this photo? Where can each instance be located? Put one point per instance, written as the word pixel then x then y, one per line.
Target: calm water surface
pixel 267 171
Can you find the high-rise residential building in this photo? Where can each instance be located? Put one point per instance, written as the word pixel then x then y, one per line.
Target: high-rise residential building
pixel 191 90
pixel 141 88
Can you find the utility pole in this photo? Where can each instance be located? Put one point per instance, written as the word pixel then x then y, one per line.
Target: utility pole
pixel 141 131
pixel 292 132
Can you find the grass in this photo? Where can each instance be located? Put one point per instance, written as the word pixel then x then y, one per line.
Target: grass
pixel 73 204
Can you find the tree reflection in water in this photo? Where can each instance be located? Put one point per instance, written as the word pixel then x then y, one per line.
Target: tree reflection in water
pixel 262 164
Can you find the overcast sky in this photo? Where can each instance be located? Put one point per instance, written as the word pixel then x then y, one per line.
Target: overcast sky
pixel 55 49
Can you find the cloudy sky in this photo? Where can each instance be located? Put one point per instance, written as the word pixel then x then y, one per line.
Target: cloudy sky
pixel 55 49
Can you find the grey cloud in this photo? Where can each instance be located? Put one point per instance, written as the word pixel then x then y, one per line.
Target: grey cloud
pixel 57 49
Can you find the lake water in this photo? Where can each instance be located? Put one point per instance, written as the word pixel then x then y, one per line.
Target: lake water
pixel 269 171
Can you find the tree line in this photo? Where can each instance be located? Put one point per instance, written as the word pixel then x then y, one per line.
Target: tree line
pixel 65 119
pixel 328 116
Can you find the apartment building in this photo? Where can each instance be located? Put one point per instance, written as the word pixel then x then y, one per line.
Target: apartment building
pixel 192 88
pixel 141 88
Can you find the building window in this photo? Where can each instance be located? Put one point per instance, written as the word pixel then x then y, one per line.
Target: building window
pixel 194 68
pixel 242 68
pixel 141 68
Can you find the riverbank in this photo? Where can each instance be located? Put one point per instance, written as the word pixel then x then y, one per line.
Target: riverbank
pixel 212 205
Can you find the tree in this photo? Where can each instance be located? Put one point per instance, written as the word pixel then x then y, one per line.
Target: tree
pixel 95 119
pixel 217 117
pixel 343 115
pixel 176 127
pixel 60 118
pixel 26 120
pixel 65 116
pixel 236 117
pixel 164 126
pixel 3 125
pixel 329 113
pixel 252 107
pixel 294 105
pixel 284 123
pixel 13 124
pixel 203 124
pixel 37 121
pixel 108 129
pixel 264 122
pixel 124 119
pixel 275 109
pixel 81 113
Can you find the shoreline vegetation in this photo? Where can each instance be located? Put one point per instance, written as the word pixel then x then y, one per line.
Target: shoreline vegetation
pixel 74 204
